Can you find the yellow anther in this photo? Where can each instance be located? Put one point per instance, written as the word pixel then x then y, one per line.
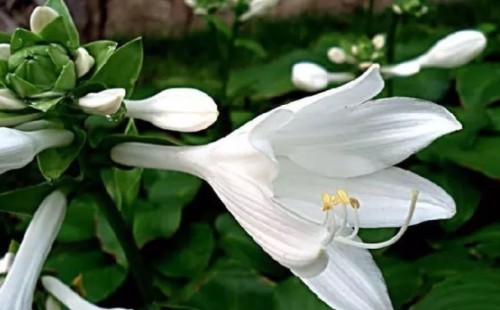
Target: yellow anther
pixel 328 202
pixel 354 203
pixel 342 197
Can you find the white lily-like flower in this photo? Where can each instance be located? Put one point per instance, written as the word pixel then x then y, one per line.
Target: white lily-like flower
pixel 17 291
pixel 179 109
pixel 18 148
pixel 271 173
pixel 41 17
pixel 258 8
pixel 454 50
pixel 311 77
pixel 83 61
pixel 9 101
pixel 106 102
pixel 4 51
pixel 67 297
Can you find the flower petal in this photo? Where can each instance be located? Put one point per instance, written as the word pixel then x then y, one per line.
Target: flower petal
pixel 351 281
pixel 384 196
pixel 362 139
pixel 66 296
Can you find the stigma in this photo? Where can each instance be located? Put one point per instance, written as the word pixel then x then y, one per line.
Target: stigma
pixel 336 220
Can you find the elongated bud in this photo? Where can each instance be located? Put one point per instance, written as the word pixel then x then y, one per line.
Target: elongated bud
pixel 337 55
pixel 4 51
pixel 407 68
pixel 17 291
pixel 455 50
pixel 41 17
pixel 106 102
pixel 179 109
pixel 83 61
pixel 309 76
pixel 9 101
pixel 18 148
pixel 66 296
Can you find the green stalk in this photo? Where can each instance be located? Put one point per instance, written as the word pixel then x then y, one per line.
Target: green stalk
pixel 369 18
pixel 123 233
pixel 391 48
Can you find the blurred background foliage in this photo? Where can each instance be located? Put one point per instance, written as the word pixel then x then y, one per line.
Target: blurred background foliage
pixel 202 259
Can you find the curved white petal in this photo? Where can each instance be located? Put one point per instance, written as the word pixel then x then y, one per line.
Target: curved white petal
pixel 67 297
pixel 384 195
pixel 351 281
pixel 41 17
pixel 17 291
pixel 360 139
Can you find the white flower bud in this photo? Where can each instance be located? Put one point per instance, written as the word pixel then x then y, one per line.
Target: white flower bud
pixel 4 51
pixel 83 61
pixel 18 148
pixel 9 101
pixel 6 262
pixel 41 17
pixel 106 102
pixel 336 55
pixel 355 50
pixel 397 9
pixel 179 109
pixel 378 41
pixel 454 50
pixel 52 304
pixel 407 68
pixel 257 8
pixel 309 77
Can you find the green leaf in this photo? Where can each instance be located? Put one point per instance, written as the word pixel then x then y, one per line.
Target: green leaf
pixel 450 262
pixel 189 255
pixel 100 283
pixel 252 46
pixel 109 241
pixel 101 51
pixel 55 32
pixel 22 87
pixel 166 186
pixel 233 288
pixel 60 7
pixel 477 84
pixel 402 278
pixel 219 25
pixel 55 161
pixel 460 187
pixel 22 38
pixel 4 37
pixel 240 246
pixel 67 78
pixel 292 294
pixel 435 82
pixel 79 223
pixel 474 290
pixel 123 67
pixel 45 105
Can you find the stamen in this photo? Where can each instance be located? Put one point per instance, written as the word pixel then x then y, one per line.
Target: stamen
pixel 394 239
pixel 356 224
pixel 328 202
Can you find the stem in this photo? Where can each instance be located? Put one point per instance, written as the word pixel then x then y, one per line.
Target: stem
pixel 391 48
pixel 369 18
pixel 139 270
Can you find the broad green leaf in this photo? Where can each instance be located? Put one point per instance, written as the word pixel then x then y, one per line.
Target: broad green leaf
pixel 67 78
pixel 402 278
pixel 56 32
pixel 435 82
pixel 4 37
pixel 22 87
pixel 240 246
pixel 292 294
pixel 45 105
pixel 477 84
pixel 109 241
pixel 60 7
pixel 252 46
pixel 122 68
pixel 22 38
pixel 473 290
pixel 233 288
pixel 101 51
pixel 460 187
pixel 54 162
pixel 448 262
pixel 79 222
pixel 164 187
pixel 190 253
pixel 100 283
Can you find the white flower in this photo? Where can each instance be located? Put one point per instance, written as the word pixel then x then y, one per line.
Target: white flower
pixel 179 109
pixel 456 49
pixel 83 61
pixel 17 291
pixel 257 8
pixel 311 77
pixel 378 41
pixel 9 101
pixel 4 51
pixel 18 148
pixel 106 102
pixel 41 17
pixel 66 296
pixel 271 173
pixel 336 55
